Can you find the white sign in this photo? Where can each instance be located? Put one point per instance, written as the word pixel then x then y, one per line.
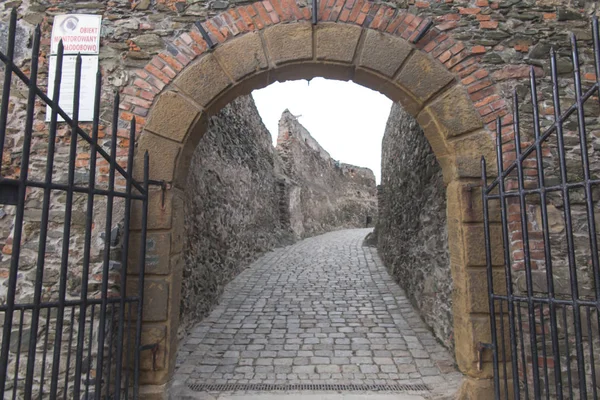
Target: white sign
pixel 80 34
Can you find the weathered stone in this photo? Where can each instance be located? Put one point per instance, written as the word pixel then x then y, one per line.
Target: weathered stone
pixel 453 113
pixel 156 298
pixel 162 155
pixel 149 42
pixel 158 250
pixel 336 42
pixel 172 116
pixel 204 80
pixel 153 335
pixel 474 245
pixel 383 53
pixel 423 77
pixel 411 192
pixel 160 209
pixel 243 56
pixel 289 42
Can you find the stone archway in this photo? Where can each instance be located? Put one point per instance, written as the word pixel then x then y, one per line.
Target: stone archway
pixel 436 79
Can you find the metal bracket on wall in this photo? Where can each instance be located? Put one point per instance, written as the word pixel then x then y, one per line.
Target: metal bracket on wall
pixel 315 11
pixel 470 187
pixel 423 31
pixel 480 348
pixel 163 187
pixel 153 347
pixel 205 35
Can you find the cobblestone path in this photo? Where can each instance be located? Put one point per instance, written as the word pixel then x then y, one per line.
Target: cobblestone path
pixel 322 311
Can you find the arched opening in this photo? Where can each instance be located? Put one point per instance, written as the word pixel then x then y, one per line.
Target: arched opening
pixel 453 120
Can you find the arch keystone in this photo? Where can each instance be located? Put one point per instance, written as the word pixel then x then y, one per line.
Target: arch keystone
pixel 383 53
pixel 423 77
pixel 243 56
pixel 172 116
pixel 204 80
pixel 289 42
pixel 336 42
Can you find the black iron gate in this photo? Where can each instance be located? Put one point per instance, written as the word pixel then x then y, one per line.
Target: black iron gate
pixel 545 298
pixel 71 327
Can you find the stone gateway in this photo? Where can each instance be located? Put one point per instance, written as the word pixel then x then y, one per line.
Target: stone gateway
pixel 451 65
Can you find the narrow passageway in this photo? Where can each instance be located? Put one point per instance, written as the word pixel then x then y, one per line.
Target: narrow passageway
pixel 321 311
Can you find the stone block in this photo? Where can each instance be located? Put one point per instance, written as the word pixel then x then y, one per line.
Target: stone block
pixel 476 389
pixel 474 245
pixel 159 210
pixel 470 329
pixel 153 334
pixel 242 56
pixel 158 249
pixel 423 76
pixel 383 53
pixel 468 150
pixel 453 113
pixel 476 288
pixel 435 137
pixel 172 116
pixel 336 42
pixel 204 80
pixel 464 200
pixel 162 157
pixel 289 42
pixel 156 297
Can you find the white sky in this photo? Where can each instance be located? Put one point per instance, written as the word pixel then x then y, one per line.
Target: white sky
pixel 348 120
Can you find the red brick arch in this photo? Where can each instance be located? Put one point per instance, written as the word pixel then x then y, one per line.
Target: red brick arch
pixel 434 77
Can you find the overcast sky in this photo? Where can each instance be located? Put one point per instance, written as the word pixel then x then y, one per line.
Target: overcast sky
pixel 348 120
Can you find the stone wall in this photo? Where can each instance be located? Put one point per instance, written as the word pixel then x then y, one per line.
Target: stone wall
pixel 232 211
pixel 411 229
pixel 324 194
pixel 244 197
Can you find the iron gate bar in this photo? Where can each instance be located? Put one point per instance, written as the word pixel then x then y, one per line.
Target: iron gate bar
pixel 7 182
pixel 509 282
pixel 568 222
pixel 18 229
pixel 124 258
pixel 525 233
pixel 62 290
pixel 8 70
pixel 546 234
pixel 43 230
pixel 490 280
pixel 88 238
pixel 106 253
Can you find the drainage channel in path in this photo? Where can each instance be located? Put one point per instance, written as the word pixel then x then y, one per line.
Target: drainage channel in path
pixel 322 318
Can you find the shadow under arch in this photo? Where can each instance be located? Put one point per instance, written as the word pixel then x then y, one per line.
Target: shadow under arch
pixel 435 80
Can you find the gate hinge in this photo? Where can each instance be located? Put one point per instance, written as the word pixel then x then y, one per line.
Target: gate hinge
pixel 153 347
pixel 164 185
pixel 480 347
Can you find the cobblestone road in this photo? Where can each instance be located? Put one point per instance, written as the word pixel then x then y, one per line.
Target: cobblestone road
pixel 322 311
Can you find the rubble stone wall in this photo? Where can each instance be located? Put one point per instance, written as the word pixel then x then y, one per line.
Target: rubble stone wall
pixel 411 230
